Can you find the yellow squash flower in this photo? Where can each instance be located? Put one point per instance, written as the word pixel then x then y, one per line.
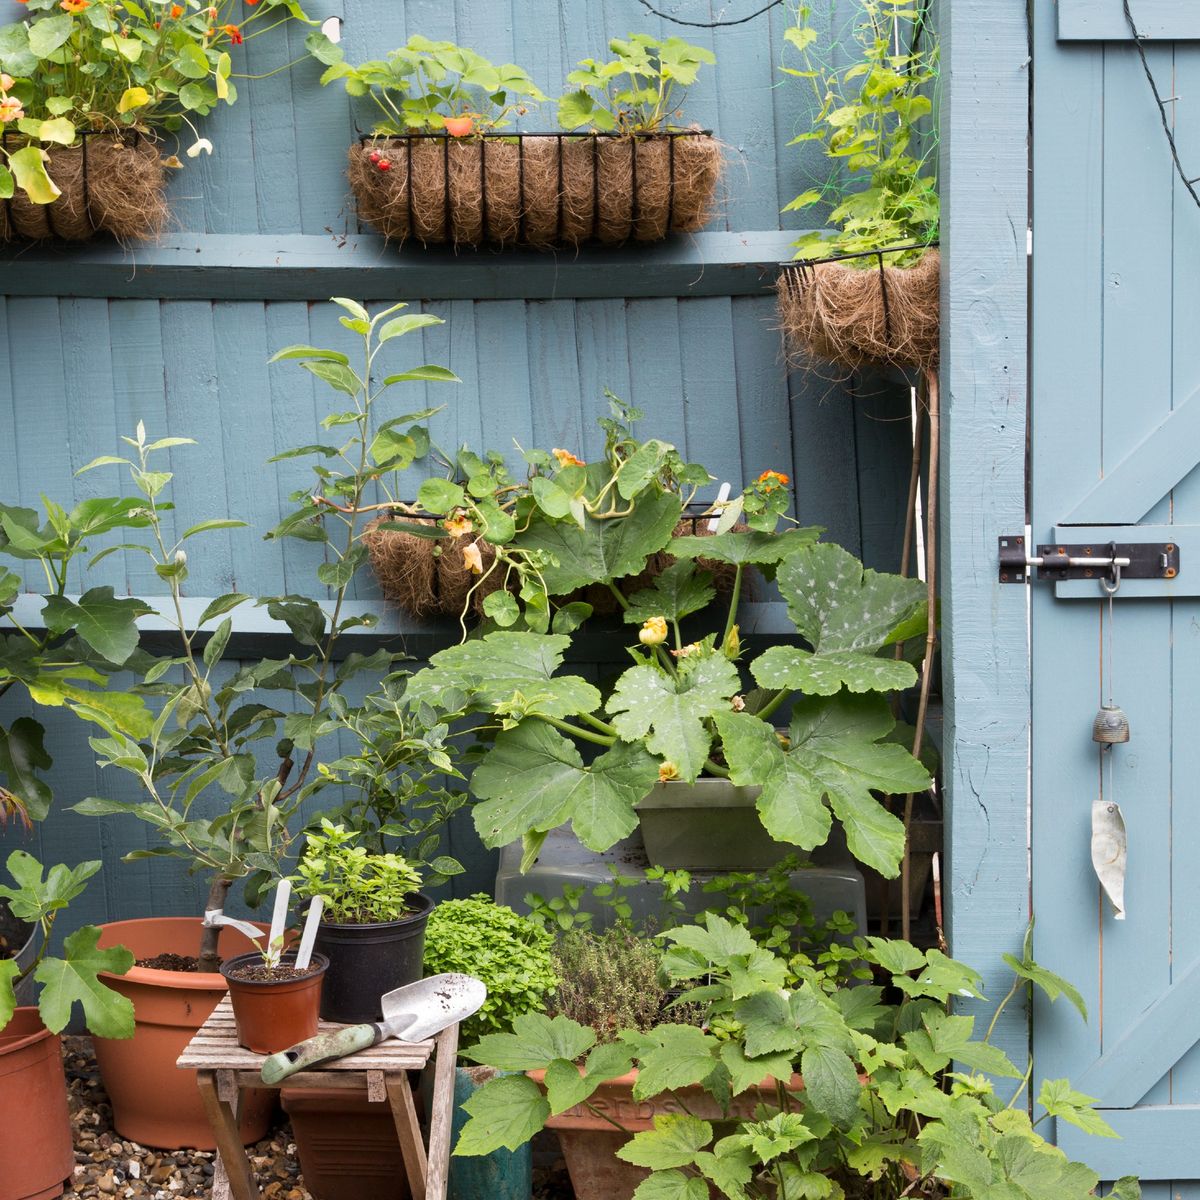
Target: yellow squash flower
pixel 653 632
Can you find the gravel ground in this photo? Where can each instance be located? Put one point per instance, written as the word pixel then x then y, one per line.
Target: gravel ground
pixel 107 1166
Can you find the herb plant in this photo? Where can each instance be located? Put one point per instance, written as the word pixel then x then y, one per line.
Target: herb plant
pixel 428 85
pixel 639 90
pixel 509 952
pixel 113 65
pixel 202 743
pixel 898 1096
pixel 868 123
pixel 39 897
pixel 687 705
pixel 359 888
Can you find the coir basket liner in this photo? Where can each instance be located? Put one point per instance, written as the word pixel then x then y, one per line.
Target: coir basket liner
pixel 851 315
pixel 536 189
pixel 110 183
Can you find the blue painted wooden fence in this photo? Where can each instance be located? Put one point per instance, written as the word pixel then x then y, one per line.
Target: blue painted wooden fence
pixel 178 335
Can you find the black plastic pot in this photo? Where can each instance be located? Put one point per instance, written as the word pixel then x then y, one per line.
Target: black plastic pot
pixel 18 941
pixel 367 961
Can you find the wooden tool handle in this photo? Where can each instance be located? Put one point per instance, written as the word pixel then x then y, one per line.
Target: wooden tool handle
pixel 317 1051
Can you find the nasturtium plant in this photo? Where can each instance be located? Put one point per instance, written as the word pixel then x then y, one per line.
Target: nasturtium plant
pixel 39 897
pixel 827 1091
pixel 72 67
pixel 870 105
pixel 688 705
pixel 639 90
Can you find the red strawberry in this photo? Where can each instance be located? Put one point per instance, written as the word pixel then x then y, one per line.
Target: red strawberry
pixel 384 165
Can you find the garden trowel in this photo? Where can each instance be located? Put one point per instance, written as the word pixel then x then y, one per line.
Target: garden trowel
pixel 411 1013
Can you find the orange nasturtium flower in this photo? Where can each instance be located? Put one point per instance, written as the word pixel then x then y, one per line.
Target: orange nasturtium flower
pixel 773 479
pixel 10 110
pixel 74 6
pixel 176 11
pixel 567 459
pixel 458 523
pixel 235 34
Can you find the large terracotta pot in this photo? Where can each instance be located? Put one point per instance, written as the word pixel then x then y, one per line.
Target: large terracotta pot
pixel 154 1103
pixel 34 1117
pixel 590 1143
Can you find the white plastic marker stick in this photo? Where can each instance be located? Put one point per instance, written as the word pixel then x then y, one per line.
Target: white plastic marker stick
pixel 283 897
pixel 310 933
pixel 722 496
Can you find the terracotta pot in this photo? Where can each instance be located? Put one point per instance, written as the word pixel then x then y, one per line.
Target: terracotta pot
pixel 590 1143
pixel 155 1103
pixel 34 1117
pixel 347 1145
pixel 273 1015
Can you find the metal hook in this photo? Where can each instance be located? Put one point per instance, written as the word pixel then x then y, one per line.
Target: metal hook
pixel 1114 573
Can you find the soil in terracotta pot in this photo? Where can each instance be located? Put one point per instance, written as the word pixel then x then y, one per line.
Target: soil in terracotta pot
pixel 171 962
pixel 106 1165
pixel 261 973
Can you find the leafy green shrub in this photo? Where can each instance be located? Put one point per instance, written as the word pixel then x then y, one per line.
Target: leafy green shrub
pixel 358 888
pixel 507 951
pixel 609 982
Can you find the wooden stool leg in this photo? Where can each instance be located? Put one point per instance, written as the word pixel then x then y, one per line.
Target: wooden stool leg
pixel 404 1114
pixel 441 1115
pixel 229 1141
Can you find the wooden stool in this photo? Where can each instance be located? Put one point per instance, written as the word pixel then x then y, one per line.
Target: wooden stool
pixel 223 1068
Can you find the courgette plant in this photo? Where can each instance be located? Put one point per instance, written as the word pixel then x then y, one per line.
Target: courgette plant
pixel 689 704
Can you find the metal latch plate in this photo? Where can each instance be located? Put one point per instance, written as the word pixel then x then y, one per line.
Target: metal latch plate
pixel 1058 562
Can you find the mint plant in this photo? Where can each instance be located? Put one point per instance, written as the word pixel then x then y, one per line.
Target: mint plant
pixel 831 1091
pixel 39 897
pixel 688 705
pixel 868 117
pixel 639 90
pixel 427 85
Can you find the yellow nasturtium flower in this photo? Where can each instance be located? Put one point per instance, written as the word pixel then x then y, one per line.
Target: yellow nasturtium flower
pixel 653 632
pixel 473 559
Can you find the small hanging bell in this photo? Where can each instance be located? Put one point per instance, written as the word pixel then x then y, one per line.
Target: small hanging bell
pixel 1111 726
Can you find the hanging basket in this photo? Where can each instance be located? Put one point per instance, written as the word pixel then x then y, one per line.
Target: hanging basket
pixel 536 189
pixel 110 183
pixel 427 577
pixel 851 316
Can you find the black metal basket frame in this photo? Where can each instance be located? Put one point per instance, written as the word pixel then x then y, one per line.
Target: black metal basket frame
pixel 519 137
pixel 131 136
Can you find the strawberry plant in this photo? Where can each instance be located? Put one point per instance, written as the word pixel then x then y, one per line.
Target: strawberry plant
pixel 639 90
pixel 427 85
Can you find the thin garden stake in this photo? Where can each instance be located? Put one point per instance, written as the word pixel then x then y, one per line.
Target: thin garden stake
pixel 931 387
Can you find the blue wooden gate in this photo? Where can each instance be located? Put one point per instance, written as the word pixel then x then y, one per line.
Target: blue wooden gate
pixel 1115 412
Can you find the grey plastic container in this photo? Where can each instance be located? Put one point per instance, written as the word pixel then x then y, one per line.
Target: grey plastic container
pixel 709 825
pixel 835 884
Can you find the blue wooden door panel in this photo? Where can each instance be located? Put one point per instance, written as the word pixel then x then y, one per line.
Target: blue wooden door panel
pixel 1104 20
pixel 1115 440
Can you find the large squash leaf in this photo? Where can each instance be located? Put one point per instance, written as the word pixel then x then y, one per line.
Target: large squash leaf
pixel 743 548
pixel 847 614
pixel 507 672
pixel 669 713
pixel 535 779
pixel 677 593
pixel 834 756
pixel 602 551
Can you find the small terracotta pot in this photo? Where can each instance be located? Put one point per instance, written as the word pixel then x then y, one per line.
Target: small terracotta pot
pixel 33 1111
pixel 154 1103
pixel 590 1143
pixel 272 1015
